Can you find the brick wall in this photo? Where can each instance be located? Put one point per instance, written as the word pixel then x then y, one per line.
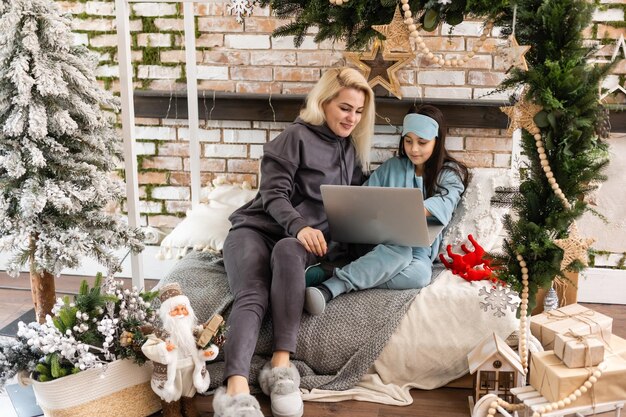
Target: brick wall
pixel 231 149
pixel 245 58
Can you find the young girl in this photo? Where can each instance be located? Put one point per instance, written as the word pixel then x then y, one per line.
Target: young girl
pixel 283 230
pixel 424 163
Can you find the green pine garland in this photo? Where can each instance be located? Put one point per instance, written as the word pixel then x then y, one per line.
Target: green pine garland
pixel 352 21
pixel 559 79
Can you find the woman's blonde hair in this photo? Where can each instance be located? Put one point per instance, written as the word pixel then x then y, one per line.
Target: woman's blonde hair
pixel 326 89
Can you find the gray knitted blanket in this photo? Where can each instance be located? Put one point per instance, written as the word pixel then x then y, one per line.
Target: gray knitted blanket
pixel 334 349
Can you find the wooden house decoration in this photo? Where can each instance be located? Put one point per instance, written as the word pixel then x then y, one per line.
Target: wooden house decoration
pixel 497 369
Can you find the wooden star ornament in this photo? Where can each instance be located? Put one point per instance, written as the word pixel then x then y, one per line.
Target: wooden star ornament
pixel 574 247
pixel 513 54
pixel 380 68
pixel 396 34
pixel 522 115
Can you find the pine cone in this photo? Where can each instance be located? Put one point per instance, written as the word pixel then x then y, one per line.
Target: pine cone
pixel 219 340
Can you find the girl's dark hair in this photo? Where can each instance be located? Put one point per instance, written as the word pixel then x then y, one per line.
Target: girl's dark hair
pixel 440 159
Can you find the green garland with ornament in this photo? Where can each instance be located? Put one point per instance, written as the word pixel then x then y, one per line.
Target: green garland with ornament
pixel 562 120
pixel 352 20
pixel 568 135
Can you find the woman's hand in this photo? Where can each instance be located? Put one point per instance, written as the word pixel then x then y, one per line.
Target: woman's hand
pixel 313 240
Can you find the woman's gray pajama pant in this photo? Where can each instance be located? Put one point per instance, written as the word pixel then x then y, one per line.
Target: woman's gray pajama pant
pixel 263 270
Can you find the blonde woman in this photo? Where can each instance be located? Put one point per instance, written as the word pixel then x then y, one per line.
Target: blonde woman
pixel 283 230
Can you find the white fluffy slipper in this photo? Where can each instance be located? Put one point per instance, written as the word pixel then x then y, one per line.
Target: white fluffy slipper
pixel 283 387
pixel 241 405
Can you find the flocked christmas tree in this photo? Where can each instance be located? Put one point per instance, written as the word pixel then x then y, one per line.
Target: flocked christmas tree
pixel 58 150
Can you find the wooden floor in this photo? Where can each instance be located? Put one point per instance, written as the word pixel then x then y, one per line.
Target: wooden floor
pixel 15 299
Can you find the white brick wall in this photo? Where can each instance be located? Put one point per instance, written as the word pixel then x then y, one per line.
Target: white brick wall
pixel 145 148
pixel 155 133
pixel 169 24
pixel 273 58
pixel 286 42
pixel 256 151
pixel 108 71
pixel 103 40
pixel 204 135
pixel 247 41
pixel 229 124
pixel 149 206
pixel 610 15
pixel 98 25
pixel 154 9
pixel 454 143
pixel 488 94
pixel 240 136
pixel 80 39
pixel 100 8
pixel 158 72
pixel 385 141
pixel 171 193
pixel 502 160
pixel 206 72
pixel 270 125
pixel 456 93
pixel 441 77
pixel 154 39
pixel 226 151
pixel 465 28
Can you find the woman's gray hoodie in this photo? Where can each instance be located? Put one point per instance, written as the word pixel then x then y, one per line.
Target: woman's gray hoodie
pixel 293 167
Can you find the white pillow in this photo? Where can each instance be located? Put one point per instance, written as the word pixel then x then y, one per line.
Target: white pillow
pixel 206 225
pixel 474 215
pixel 233 195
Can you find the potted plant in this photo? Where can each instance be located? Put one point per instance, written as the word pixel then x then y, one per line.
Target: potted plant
pixel 85 359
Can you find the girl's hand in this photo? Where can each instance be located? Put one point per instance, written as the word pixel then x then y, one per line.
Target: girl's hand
pixel 313 240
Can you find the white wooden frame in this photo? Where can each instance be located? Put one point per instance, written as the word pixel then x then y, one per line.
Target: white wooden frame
pixel 128 113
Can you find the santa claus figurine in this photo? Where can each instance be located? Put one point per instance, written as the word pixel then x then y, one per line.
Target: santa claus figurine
pixel 179 363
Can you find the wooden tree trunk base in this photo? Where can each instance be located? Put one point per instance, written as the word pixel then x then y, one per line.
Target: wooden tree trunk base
pixel 44 293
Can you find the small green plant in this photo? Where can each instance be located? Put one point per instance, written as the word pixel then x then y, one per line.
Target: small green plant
pixel 101 324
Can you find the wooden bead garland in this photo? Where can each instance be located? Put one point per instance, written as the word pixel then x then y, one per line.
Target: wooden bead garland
pixel 545 165
pixel 421 45
pixel 523 319
pixel 523 343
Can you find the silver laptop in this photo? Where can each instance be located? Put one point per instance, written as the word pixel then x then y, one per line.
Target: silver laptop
pixel 378 215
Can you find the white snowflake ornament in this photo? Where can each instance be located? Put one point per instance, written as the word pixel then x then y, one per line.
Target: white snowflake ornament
pixel 240 8
pixel 498 299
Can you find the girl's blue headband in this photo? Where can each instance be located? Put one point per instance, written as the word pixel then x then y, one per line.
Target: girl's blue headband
pixel 423 126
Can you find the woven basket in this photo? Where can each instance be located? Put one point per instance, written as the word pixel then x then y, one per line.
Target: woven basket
pixel 122 390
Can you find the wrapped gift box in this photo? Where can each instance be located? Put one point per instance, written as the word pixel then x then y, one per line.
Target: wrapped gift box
pixel 554 380
pixel 578 351
pixel 616 347
pixel 574 318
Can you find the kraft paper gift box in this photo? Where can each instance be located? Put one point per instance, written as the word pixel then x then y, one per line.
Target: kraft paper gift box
pixel 578 351
pixel 616 347
pixel 575 318
pixel 554 380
